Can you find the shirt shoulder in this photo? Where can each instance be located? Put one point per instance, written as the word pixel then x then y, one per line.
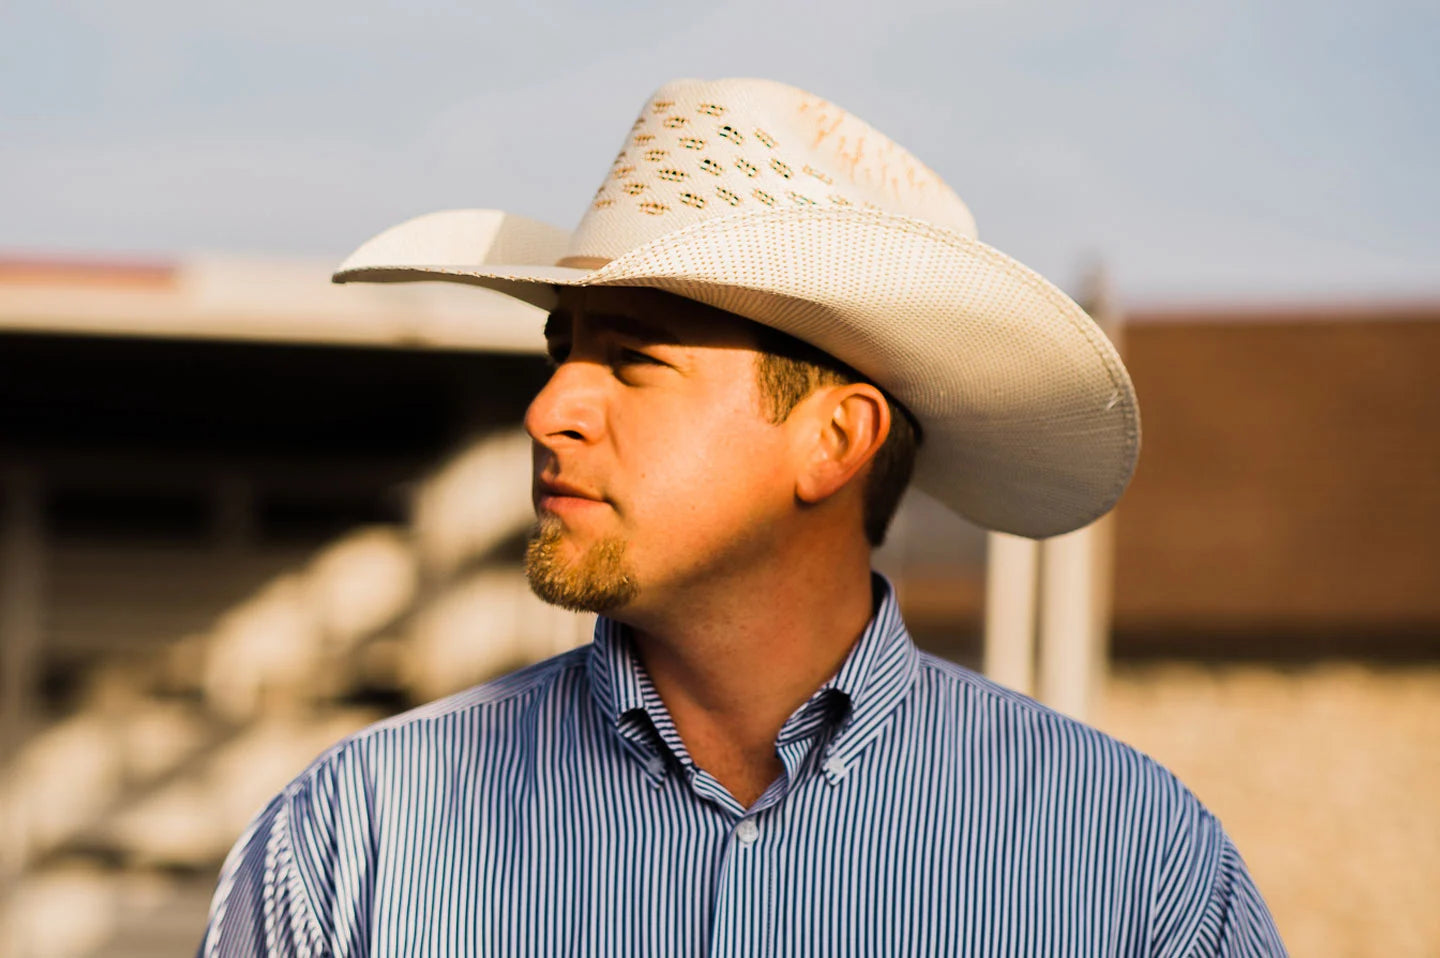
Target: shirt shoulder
pixel 485 722
pixel 484 719
pixel 1119 803
pixel 499 707
pixel 495 697
pixel 294 880
pixel 1004 721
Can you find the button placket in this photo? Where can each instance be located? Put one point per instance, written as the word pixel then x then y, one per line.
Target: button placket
pixel 742 892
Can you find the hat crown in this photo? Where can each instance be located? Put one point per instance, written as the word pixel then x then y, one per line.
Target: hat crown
pixel 705 149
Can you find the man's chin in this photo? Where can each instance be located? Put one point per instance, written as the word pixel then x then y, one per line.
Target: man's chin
pixel 593 578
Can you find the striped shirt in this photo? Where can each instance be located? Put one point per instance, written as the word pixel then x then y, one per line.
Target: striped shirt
pixel 922 811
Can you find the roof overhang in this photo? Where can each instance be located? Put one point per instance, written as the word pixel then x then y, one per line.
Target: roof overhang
pixel 254 299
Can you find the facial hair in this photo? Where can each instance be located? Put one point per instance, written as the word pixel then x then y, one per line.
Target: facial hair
pixel 598 580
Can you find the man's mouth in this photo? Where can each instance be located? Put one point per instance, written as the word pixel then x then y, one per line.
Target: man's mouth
pixel 560 497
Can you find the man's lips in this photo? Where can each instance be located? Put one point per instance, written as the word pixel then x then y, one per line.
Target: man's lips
pixel 554 495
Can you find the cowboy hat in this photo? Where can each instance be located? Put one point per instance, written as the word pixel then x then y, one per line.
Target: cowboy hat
pixel 768 202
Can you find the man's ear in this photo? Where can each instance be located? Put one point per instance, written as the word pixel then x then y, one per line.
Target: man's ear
pixel 852 423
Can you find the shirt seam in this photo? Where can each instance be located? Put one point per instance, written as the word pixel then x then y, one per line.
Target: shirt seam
pixel 1221 881
pixel 476 698
pixel 979 684
pixel 285 841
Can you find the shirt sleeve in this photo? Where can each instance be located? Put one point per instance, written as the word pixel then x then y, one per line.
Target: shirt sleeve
pixel 261 906
pixel 1243 925
pixel 1207 904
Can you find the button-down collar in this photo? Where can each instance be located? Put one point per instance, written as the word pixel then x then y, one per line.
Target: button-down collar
pixel 854 704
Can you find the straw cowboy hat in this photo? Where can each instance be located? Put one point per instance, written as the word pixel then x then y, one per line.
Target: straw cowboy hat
pixel 768 202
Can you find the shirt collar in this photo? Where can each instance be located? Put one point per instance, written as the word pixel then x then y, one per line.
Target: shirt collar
pixel 874 679
pixel 615 671
pixel 870 684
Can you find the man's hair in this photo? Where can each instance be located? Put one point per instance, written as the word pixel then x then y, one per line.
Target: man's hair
pixel 789 369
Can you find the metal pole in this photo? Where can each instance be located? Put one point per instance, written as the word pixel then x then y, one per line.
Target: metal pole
pixel 1012 566
pixel 1067 636
pixel 1076 582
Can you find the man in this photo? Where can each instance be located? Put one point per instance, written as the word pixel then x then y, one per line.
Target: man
pixel 770 313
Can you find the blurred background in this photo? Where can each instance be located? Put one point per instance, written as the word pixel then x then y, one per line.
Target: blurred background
pixel 244 512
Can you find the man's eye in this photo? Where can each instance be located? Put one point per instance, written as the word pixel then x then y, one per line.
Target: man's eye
pixel 632 357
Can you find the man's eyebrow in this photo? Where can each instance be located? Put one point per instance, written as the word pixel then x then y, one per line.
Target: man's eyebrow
pixel 633 327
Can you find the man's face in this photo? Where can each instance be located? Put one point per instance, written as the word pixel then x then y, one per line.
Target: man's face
pixel 655 466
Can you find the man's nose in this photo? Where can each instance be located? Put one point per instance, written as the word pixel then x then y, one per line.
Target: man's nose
pixel 568 408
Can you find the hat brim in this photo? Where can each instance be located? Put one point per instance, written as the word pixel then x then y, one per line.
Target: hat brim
pixel 1030 419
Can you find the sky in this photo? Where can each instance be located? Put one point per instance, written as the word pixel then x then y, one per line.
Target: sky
pixel 1210 152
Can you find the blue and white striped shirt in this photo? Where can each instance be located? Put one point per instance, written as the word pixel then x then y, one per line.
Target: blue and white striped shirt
pixel 922 811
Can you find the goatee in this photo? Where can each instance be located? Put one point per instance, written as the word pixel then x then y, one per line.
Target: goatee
pixel 597 581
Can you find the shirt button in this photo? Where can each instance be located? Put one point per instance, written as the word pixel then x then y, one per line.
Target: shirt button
pixel 747 831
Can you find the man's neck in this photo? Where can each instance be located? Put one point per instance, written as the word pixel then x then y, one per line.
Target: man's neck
pixel 745 654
